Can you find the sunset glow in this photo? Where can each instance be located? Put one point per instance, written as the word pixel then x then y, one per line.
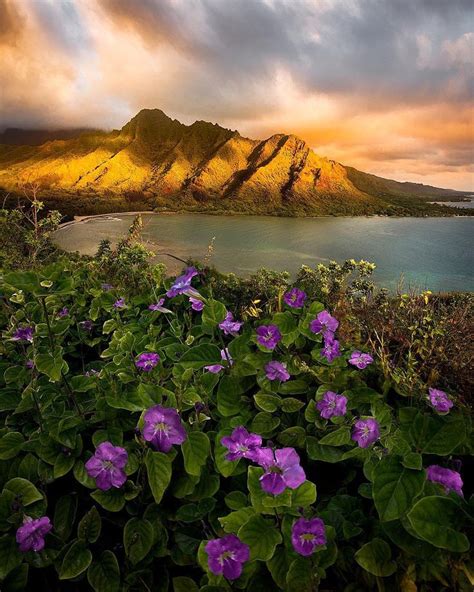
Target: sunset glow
pixel 382 85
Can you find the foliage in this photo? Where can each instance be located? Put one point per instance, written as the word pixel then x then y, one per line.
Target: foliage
pixel 25 232
pixel 387 526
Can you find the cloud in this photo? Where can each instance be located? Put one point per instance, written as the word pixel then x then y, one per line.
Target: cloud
pixel 386 83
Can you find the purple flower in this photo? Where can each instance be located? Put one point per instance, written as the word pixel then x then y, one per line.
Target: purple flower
pixel 440 400
pixel 30 536
pixel 23 334
pixel 30 364
pixel 365 432
pixel 86 325
pixel 182 284
pixel 106 287
pixel 63 312
pixel 332 405
pixel 324 323
pixel 295 298
pixel 277 371
pixel 216 368
pixel 196 304
pixel 158 306
pixel 306 535
pixel 331 349
pixel 360 360
pixel 450 480
pixel 268 336
pixel 226 556
pixel 147 361
pixel 242 444
pixel 229 326
pixel 106 466
pixel 163 428
pixel 282 470
pixel 120 303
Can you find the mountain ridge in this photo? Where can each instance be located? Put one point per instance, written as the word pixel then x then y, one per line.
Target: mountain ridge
pixel 205 167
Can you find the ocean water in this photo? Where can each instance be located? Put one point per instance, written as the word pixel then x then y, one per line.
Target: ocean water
pixel 426 253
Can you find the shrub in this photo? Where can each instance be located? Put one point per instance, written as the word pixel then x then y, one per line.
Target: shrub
pixel 132 437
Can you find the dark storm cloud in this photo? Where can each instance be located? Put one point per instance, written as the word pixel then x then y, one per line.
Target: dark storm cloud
pixel 370 82
pixel 395 47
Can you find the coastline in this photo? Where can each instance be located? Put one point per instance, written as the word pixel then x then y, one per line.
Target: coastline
pixel 105 216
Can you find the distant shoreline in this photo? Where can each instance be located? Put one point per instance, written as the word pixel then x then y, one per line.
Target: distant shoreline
pixel 86 218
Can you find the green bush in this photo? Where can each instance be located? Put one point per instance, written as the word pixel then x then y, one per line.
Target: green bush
pixel 70 382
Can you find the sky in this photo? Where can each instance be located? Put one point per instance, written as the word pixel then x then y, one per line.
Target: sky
pixel 386 86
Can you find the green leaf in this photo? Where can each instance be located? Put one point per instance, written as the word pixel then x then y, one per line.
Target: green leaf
pixel 304 495
pixel 202 355
pixel 137 539
pixel 77 560
pixel 10 445
pixel 62 465
pixel 195 452
pixel 104 575
pixel 316 451
pixel 64 516
pixel 214 312
pixel 236 500
pixel 24 490
pixel 50 364
pixel 433 435
pixel 229 394
pixel 184 584
pixel 267 402
pixel 10 557
pixel 28 281
pixel 395 487
pixel 291 405
pixel 376 558
pixel 299 577
pixel 294 437
pixel 413 460
pixel 436 520
pixel 262 536
pixel 112 500
pixel 339 437
pixel 264 423
pixel 90 526
pixel 235 520
pixel 159 470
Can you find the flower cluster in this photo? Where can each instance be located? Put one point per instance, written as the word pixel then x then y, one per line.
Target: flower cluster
pixel 439 400
pixel 332 405
pixel 107 466
pixel 182 284
pixel 30 536
pixel 268 336
pixel 163 428
pixel 147 361
pixel 449 479
pixel 326 325
pixel 282 467
pixel 229 326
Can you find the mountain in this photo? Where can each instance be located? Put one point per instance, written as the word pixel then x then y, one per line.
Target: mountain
pixel 157 162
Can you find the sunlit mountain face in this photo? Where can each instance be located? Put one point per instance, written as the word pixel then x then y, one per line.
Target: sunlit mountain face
pixel 162 162
pixel 384 86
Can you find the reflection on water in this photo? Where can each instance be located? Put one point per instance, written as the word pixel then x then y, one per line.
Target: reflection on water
pixel 432 253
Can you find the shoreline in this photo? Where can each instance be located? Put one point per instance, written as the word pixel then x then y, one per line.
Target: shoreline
pixel 86 218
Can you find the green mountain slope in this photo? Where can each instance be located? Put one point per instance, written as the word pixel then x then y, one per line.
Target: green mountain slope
pixel 157 162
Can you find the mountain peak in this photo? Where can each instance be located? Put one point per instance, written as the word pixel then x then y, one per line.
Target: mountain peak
pixel 203 167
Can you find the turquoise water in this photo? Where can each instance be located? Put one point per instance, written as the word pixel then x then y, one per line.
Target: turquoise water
pixel 431 253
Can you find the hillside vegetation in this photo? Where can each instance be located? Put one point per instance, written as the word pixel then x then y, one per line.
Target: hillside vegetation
pixel 155 162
